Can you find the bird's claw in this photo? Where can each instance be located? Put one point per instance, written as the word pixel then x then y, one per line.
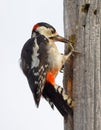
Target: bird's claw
pixel 62 69
pixel 73 50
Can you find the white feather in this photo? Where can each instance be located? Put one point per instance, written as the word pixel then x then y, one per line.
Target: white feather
pixel 35 60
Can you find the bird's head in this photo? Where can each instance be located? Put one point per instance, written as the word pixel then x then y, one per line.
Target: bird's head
pixel 48 31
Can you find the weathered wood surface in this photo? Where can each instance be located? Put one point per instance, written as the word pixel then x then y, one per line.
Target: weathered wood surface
pixel 82 18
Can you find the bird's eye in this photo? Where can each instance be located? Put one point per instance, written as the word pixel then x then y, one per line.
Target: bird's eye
pixel 52 31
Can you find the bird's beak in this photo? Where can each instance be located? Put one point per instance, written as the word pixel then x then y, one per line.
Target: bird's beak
pixel 59 38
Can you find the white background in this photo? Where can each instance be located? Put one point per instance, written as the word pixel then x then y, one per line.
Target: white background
pixel 17 108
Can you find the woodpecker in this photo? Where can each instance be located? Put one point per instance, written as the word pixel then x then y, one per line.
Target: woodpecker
pixel 41 61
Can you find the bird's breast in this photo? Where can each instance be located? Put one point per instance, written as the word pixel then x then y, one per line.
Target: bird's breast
pixel 54 58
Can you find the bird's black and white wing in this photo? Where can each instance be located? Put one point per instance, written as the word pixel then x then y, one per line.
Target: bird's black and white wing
pixel 34 65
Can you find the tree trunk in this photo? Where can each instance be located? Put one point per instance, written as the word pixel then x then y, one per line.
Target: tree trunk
pixel 82 23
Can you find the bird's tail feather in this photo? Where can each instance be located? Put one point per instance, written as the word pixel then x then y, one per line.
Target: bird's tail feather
pixel 58 97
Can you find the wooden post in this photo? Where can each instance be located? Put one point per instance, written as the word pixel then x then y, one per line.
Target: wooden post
pixel 82 75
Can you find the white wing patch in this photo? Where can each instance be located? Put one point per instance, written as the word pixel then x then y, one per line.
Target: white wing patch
pixel 35 60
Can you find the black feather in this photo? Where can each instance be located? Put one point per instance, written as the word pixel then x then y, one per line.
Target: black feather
pixel 36 82
pixel 57 99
